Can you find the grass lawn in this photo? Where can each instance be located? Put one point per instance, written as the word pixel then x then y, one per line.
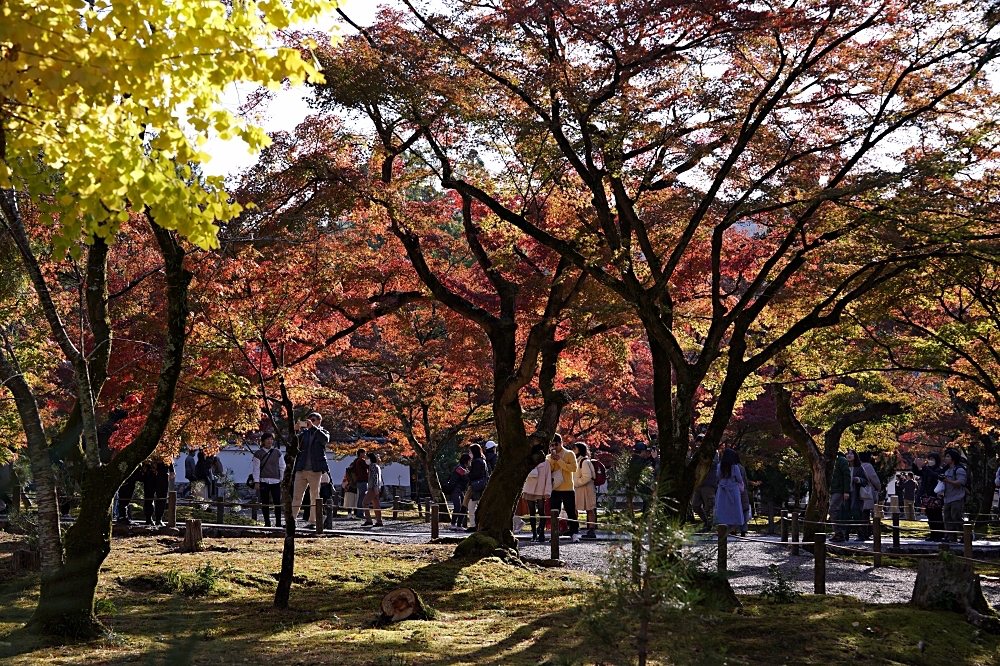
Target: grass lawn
pixel 487 613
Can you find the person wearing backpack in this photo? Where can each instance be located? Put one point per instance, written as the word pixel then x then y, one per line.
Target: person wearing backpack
pixel 479 476
pixel 584 483
pixel 454 488
pixel 955 478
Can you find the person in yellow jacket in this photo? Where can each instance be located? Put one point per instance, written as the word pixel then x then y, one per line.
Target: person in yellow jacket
pixel 563 464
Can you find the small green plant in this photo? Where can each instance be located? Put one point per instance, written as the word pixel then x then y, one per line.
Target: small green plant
pixel 202 581
pixel 944 600
pixel 105 606
pixel 649 571
pixel 779 588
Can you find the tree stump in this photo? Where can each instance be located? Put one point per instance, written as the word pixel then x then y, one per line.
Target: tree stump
pixel 401 604
pixel 947 583
pixel 192 536
pixel 25 560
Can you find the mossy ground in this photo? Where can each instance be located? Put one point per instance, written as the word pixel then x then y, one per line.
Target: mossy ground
pixel 488 613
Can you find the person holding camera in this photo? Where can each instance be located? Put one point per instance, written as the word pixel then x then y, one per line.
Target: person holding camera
pixel 311 462
pixel 268 467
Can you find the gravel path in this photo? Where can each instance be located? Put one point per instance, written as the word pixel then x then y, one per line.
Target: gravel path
pixel 748 564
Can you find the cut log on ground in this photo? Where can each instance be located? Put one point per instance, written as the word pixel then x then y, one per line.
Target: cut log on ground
pixel 25 560
pixel 948 583
pixel 192 536
pixel 402 604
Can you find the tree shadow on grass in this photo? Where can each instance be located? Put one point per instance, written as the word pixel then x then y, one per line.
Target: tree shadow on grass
pixel 437 575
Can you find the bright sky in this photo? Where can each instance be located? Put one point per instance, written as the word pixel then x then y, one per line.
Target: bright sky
pixel 288 109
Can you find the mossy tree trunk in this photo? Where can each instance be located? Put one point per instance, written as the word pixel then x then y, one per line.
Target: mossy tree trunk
pixel 514 364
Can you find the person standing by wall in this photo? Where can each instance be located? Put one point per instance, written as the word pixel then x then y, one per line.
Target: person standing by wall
pixel 268 467
pixel 349 484
pixel 190 467
pixel 361 470
pixel 374 491
pixel 311 461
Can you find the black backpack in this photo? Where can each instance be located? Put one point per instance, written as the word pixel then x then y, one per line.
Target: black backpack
pixel 448 487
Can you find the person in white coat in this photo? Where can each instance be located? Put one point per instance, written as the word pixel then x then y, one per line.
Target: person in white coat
pixel 537 489
pixel 586 492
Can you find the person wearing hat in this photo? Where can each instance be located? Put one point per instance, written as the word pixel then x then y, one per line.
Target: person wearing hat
pixel 492 454
pixel 955 478
pixel 311 463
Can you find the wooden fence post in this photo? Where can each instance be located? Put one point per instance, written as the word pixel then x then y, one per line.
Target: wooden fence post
pixel 435 525
pixel 318 514
pixel 220 508
pixel 895 530
pixel 877 541
pixel 395 507
pixel 819 562
pixel 784 527
pixel 795 532
pixel 555 534
pixel 427 511
pixel 172 508
pixel 723 534
pixel 967 540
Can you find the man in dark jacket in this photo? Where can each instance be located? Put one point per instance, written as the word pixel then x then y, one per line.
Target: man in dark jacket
pixel 361 469
pixel 311 462
pixel 190 463
pixel 840 490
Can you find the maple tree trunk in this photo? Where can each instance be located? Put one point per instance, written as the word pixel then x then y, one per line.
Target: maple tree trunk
pixel 433 482
pixel 495 512
pixel 282 593
pixel 676 482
